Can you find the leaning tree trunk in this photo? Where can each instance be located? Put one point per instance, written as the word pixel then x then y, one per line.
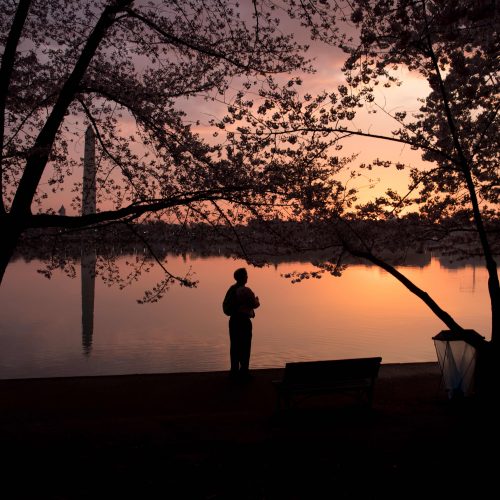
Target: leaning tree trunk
pixel 421 294
pixel 10 236
pixel 11 225
pixel 9 233
pixel 464 164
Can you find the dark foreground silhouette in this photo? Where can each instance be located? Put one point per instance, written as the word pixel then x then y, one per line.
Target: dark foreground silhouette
pixel 199 436
pixel 239 304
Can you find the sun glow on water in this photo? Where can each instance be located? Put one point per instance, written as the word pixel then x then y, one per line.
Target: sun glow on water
pixel 363 313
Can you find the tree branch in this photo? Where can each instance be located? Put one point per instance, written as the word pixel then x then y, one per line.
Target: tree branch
pixel 39 153
pixel 421 294
pixel 108 153
pixel 491 266
pixel 183 281
pixel 233 229
pixel 135 210
pixel 188 44
pixel 6 69
pixel 347 133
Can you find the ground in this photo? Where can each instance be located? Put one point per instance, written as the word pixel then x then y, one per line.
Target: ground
pixel 204 436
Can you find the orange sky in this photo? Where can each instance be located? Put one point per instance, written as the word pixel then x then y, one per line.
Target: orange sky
pixel 328 62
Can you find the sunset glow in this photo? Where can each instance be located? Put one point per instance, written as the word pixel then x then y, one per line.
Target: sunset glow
pixel 316 319
pixel 256 133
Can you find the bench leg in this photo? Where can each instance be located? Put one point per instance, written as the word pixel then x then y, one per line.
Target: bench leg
pixel 370 397
pixel 285 398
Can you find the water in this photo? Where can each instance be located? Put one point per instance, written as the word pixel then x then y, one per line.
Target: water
pixel 366 312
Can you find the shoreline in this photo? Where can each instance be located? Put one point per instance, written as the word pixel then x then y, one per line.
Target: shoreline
pixel 386 369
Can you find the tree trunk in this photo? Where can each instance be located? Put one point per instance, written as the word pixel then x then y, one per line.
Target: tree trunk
pixel 421 294
pixel 6 68
pixel 495 312
pixel 464 164
pixel 10 236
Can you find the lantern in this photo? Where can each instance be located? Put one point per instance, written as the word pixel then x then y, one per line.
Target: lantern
pixel 457 354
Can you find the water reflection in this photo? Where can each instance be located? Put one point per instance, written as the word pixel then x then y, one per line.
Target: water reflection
pixel 45 325
pixel 87 268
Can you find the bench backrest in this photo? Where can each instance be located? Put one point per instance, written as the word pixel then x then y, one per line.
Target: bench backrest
pixel 304 372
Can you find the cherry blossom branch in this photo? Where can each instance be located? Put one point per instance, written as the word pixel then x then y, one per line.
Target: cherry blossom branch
pixel 491 266
pixel 233 229
pixel 183 281
pixel 134 209
pixel 180 42
pixel 108 153
pixel 494 114
pixel 6 69
pixel 39 153
pixel 347 132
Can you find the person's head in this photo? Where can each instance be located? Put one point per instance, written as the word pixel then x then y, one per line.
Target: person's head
pixel 241 276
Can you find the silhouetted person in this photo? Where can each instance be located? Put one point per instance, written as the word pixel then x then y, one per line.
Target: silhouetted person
pixel 239 304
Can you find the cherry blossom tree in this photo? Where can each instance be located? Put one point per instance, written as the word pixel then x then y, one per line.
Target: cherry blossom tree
pixel 452 200
pixel 126 68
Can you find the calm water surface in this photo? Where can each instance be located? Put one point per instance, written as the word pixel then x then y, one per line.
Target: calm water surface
pixel 43 332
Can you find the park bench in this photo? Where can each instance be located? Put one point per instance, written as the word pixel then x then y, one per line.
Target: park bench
pixel 307 378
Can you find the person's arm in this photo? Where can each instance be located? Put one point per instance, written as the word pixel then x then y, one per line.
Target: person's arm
pixel 255 300
pixel 248 298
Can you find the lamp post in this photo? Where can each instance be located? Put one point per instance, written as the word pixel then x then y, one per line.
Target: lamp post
pixel 457 354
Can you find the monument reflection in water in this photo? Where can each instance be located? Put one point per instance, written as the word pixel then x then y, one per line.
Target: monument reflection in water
pixel 88 264
pixel 88 261
pixel 362 314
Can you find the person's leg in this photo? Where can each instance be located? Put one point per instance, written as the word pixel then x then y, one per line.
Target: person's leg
pixel 246 345
pixel 233 347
